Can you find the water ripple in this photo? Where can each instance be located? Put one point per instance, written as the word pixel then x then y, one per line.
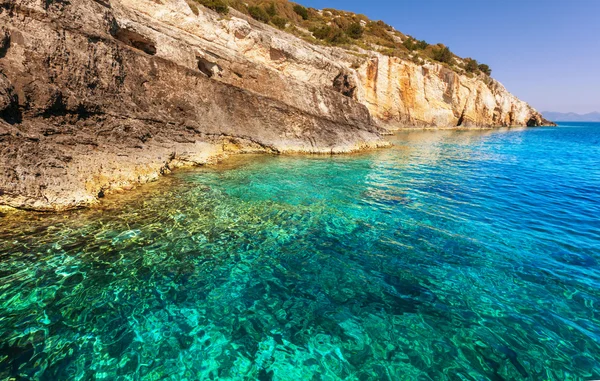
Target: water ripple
pixel 453 255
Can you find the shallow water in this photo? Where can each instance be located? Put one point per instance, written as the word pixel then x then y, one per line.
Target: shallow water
pixel 452 256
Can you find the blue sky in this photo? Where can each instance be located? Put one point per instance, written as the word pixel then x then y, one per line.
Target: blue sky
pixel 547 52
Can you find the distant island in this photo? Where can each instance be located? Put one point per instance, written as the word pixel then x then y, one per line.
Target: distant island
pixel 571 116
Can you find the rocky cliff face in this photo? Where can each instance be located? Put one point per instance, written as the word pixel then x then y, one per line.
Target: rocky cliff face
pixel 98 95
pixel 401 93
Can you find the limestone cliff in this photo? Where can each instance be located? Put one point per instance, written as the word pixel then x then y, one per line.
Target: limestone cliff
pixel 97 95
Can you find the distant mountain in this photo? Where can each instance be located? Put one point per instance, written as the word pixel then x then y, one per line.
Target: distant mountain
pixel 571 116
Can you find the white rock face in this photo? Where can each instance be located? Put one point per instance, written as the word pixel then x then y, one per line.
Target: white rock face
pixel 398 93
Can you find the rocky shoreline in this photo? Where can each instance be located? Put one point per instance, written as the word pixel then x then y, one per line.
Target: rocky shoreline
pixel 98 96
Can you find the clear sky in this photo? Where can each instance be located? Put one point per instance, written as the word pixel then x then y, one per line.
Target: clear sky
pixel 547 52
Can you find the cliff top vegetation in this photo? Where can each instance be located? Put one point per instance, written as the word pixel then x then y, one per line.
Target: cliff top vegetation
pixel 344 29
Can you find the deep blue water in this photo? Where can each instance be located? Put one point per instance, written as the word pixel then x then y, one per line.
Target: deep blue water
pixel 454 255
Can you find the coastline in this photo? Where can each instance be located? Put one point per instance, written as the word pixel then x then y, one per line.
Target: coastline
pixel 254 252
pixel 128 179
pixel 97 97
pixel 128 176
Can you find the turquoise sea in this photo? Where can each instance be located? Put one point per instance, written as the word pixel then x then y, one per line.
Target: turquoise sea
pixel 454 255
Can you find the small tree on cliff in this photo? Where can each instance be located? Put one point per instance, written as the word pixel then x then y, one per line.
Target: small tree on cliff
pixel 443 54
pixel 279 22
pixel 300 10
pixel 471 65
pixel 271 10
pixel 354 30
pixel 412 44
pixel 422 44
pixel 258 13
pixel 331 34
pixel 485 69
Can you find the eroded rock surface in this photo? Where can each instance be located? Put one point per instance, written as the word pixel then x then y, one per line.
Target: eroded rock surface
pixel 98 95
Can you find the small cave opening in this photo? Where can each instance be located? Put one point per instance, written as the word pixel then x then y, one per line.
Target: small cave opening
pixel 10 111
pixel 511 118
pixel 209 68
pixel 134 39
pixel 533 122
pixel 345 85
pixel 12 114
pixel 4 43
pixel 462 117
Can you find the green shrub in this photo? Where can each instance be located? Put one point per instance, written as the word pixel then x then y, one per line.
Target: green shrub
pixel 216 5
pixel 279 22
pixel 422 45
pixel 412 44
pixel 258 13
pixel 443 54
pixel 379 29
pixel 485 69
pixel 271 10
pixel 301 11
pixel 331 34
pixel 471 65
pixel 409 44
pixel 355 31
pixel 322 32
